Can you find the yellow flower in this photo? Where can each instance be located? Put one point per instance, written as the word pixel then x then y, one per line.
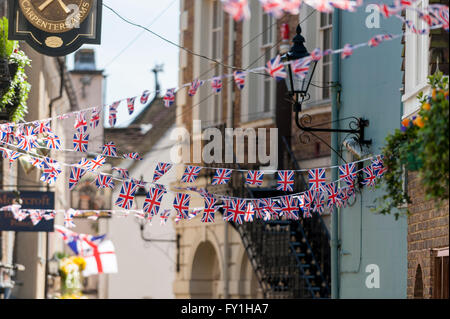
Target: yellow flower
pixel 80 262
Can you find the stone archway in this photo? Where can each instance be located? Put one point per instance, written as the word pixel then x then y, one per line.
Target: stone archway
pixel 205 276
pixel 248 283
pixel 418 284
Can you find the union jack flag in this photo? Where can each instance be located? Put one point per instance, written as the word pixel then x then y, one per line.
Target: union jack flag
pixel 345 5
pixel 13 156
pixel 289 207
pixel 258 208
pixel 190 174
pixel 273 7
pixel 52 142
pixel 292 6
pixel 130 104
pixel 104 181
pixel 236 211
pixel 271 207
pixel 239 79
pixel 194 87
pixel 210 210
pixel 153 201
pixel 113 113
pixel 95 118
pixel 317 179
pixel 110 149
pixel 80 142
pixel 411 26
pixel 389 10
pixel 80 123
pixel 133 156
pixel 84 163
pixel 285 181
pixel 249 213
pixel 333 196
pixel 276 69
pixel 308 199
pixel 347 172
pixel 378 166
pixel 316 54
pixel 301 67
pixel 369 179
pixel 254 178
pixel 122 171
pixel 221 176
pixel 440 13
pixel 27 140
pixel 97 162
pixel 347 51
pixel 51 170
pixel 36 162
pixel 6 134
pixel 181 205
pixel 19 214
pixel 144 97
pixel 319 206
pixel 169 98
pixel 68 219
pixel 126 196
pixel 320 5
pixel 216 84
pixel 42 127
pixel 238 9
pixel 160 170
pixel 76 174
pixel 164 216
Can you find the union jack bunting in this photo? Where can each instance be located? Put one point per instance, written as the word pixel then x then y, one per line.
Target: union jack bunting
pixel 375 41
pixel 289 207
pixel 276 69
pixel 76 173
pixel 160 170
pixel 301 67
pixel 52 142
pixel 68 219
pixel 316 54
pixel 347 51
pixel 144 97
pixel 308 199
pixel 221 176
pixel 95 118
pixel 345 5
pixel 254 178
pixel 370 176
pixel 80 123
pixel 285 181
pixel 333 196
pixel 320 5
pixel 104 181
pixel 27 140
pixel 194 87
pixel 319 204
pixel 190 174
pixel 42 127
pixel 389 10
pixel 113 113
pixel 122 172
pixel 317 179
pixel 210 210
pixel 238 9
pixel 19 214
pixel 271 208
pixel 411 26
pixel 292 6
pixel 258 208
pixel 49 215
pixel 169 98
pixel 97 162
pixel 440 13
pixel 126 196
pixel 164 216
pixel 130 105
pixel 236 211
pixel 36 162
pixel 181 205
pixel 273 7
pixel 13 156
pixel 109 149
pixel 84 163
pixel 133 156
pixel 347 173
pixel 249 213
pixel 51 170
pixel 153 201
pixel 80 142
pixel 378 166
pixel 216 84
pixel 6 134
pixel 239 79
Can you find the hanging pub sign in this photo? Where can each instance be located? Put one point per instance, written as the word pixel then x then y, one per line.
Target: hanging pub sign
pixel 30 201
pixel 55 27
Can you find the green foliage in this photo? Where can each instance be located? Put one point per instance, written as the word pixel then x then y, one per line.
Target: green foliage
pixel 421 145
pixel 14 99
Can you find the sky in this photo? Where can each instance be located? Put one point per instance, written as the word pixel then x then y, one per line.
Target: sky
pixel 130 73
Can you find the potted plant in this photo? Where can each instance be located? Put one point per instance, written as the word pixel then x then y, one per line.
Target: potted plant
pixel 14 88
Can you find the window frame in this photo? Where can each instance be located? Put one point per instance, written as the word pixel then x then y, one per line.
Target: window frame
pixel 320 40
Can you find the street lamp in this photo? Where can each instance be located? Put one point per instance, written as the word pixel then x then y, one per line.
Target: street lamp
pixel 297 86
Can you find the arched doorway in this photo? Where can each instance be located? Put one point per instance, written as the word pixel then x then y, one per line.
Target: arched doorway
pixel 205 275
pixel 418 284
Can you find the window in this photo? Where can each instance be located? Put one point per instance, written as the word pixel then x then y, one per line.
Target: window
pixel 440 286
pixel 325 42
pixel 216 52
pixel 268 86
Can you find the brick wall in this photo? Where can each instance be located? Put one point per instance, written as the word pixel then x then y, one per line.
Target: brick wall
pixel 427 231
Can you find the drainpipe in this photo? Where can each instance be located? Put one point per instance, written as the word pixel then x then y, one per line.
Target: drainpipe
pixel 335 277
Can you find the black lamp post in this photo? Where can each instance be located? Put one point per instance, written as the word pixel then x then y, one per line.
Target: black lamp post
pixel 298 91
